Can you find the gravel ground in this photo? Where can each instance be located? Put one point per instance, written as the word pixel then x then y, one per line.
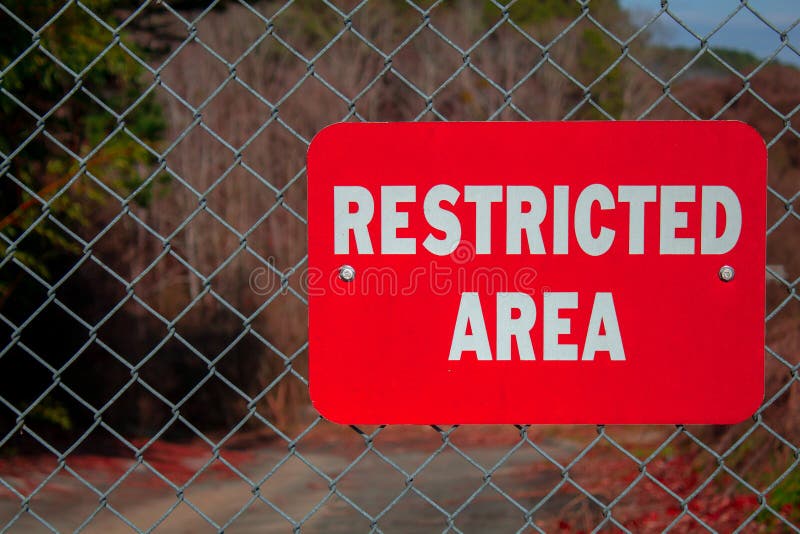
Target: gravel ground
pixel 449 480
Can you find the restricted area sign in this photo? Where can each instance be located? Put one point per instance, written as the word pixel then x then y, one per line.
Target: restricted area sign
pixel 571 272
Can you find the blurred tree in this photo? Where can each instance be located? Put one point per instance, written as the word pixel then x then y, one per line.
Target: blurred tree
pixel 67 90
pixel 56 83
pixel 547 19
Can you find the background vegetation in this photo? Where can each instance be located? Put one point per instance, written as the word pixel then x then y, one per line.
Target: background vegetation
pixel 128 162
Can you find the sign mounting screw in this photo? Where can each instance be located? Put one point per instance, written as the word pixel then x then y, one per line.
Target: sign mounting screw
pixel 347 273
pixel 726 273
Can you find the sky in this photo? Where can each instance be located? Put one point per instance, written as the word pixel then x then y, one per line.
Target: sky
pixel 744 31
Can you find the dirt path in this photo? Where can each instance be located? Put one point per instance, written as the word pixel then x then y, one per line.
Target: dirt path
pixel 371 483
pixel 448 480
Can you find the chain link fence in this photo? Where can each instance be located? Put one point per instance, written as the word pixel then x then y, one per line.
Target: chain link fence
pixel 153 370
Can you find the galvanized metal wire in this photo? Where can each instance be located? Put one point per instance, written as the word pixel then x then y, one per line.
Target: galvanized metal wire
pixel 124 203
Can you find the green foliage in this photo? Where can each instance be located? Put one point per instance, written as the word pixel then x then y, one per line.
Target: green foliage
pixel 306 18
pixel 786 496
pixel 738 59
pixel 597 54
pixel 56 90
pixel 52 412
pixel 706 65
pixel 783 499
pixel 538 11
pixel 50 122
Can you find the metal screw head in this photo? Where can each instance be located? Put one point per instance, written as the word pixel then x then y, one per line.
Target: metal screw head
pixel 347 273
pixel 726 273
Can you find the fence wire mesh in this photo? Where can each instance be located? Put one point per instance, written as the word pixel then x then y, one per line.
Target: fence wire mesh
pixel 153 371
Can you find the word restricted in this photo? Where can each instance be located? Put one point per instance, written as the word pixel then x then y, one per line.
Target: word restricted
pixel 526 207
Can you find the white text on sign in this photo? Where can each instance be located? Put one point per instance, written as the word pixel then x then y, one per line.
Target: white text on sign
pixel 470 335
pixel 526 208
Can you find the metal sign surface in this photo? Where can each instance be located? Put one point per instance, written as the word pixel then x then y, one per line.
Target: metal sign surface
pixel 570 272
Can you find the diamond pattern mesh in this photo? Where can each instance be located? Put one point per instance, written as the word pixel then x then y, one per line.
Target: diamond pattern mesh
pixel 153 234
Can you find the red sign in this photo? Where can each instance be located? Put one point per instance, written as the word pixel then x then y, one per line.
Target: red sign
pixel 571 272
